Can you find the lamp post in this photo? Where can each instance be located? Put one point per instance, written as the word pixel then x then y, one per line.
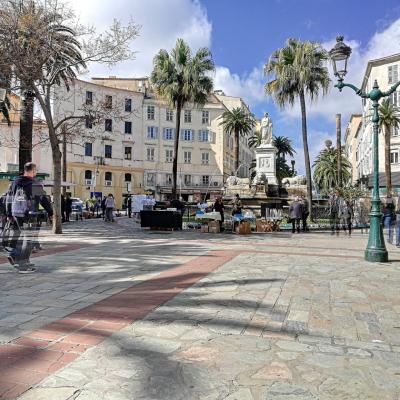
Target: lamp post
pixel 376 249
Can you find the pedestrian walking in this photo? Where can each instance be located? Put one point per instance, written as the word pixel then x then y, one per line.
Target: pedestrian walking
pixel 334 206
pixel 103 207
pixel 346 216
pixel 68 207
pixel 295 214
pixel 219 207
pixel 62 208
pixel 23 200
pixel 110 206
pixel 305 213
pixel 389 216
pixel 129 205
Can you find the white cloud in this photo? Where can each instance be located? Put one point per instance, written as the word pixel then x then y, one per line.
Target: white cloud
pixel 382 44
pixel 316 142
pixel 162 22
pixel 250 87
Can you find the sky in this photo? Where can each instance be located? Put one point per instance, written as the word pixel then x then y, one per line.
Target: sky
pixel 242 34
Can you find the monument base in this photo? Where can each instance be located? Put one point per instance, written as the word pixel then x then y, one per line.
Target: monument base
pixel 266 163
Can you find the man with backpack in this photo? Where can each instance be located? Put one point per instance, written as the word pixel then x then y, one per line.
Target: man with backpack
pixel 23 200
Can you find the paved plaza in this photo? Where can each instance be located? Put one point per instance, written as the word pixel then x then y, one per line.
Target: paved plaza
pixel 119 313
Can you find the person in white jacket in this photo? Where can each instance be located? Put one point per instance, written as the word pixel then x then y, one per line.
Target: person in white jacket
pixel 110 206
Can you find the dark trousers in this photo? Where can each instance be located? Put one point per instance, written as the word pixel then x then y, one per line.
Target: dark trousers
pixel 334 221
pixel 346 225
pixel 23 239
pixel 304 221
pixel 296 225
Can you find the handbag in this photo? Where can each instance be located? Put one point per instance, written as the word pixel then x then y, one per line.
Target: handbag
pixel 10 234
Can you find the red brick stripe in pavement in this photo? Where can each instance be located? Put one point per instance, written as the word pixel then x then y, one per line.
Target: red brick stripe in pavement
pixel 26 361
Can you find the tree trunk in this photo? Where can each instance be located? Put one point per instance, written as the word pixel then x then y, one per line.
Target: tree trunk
pixel 388 169
pixel 176 148
pixel 339 148
pixel 237 163
pixel 306 152
pixel 25 129
pixel 64 159
pixel 56 156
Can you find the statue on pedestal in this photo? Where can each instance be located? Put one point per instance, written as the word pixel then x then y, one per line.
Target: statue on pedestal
pixel 266 130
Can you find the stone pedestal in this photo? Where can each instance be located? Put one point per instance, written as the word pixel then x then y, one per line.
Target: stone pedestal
pixel 265 162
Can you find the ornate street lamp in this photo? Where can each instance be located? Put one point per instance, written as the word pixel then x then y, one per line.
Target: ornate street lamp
pixel 376 249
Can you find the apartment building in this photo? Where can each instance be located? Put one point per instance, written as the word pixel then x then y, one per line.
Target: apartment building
pixel 386 72
pixel 351 142
pixel 103 155
pixel 206 154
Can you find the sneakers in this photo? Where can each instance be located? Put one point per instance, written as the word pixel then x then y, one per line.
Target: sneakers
pixel 27 270
pixel 11 260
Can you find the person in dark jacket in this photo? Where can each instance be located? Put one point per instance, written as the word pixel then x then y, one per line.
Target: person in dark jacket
pixel 295 214
pixel 129 206
pixel 35 195
pixel 62 208
pixel 389 216
pixel 219 207
pixel 68 207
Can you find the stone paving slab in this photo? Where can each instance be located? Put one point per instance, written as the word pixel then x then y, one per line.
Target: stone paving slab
pixel 299 317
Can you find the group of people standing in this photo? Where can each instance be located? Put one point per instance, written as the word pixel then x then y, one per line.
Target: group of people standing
pixel 298 213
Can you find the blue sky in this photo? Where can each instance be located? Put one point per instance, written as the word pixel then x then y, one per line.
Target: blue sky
pixel 243 33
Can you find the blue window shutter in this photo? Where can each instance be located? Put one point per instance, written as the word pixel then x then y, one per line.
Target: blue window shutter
pixel 156 132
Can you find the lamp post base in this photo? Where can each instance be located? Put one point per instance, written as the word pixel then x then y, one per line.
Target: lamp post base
pixel 376 249
pixel 376 255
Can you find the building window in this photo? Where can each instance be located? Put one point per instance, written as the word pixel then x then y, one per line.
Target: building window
pixel 150 179
pixel 393 98
pixel 205 179
pixel 188 116
pixel 150 112
pixel 89 98
pixel 128 153
pixel 88 149
pixel 150 153
pixel 395 130
pixel 152 132
pixel 108 151
pixel 168 134
pixel 394 157
pixel 128 105
pixel 393 73
pixel 108 102
pixel 108 176
pixel 204 136
pixel 108 125
pixel 88 174
pixel 169 115
pixel 168 179
pixel 169 156
pixel 128 127
pixel 187 135
pixel 187 157
pixel 205 118
pixel 88 123
pixel 128 177
pixel 188 180
pixel 205 158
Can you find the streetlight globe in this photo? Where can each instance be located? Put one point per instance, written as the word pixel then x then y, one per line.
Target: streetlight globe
pixel 339 55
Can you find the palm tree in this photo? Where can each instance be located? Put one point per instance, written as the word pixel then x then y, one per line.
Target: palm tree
pixel 240 122
pixel 255 140
pixel 326 172
pixel 282 170
pixel 180 78
pixel 284 146
pixel 389 118
pixel 298 71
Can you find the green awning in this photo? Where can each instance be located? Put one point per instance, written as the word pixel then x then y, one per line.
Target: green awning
pixel 10 176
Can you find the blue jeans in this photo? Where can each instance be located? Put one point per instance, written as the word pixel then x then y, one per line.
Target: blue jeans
pixel 388 224
pixel 398 231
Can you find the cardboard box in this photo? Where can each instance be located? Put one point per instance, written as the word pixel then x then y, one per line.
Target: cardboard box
pixel 204 228
pixel 213 227
pixel 263 226
pixel 243 228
